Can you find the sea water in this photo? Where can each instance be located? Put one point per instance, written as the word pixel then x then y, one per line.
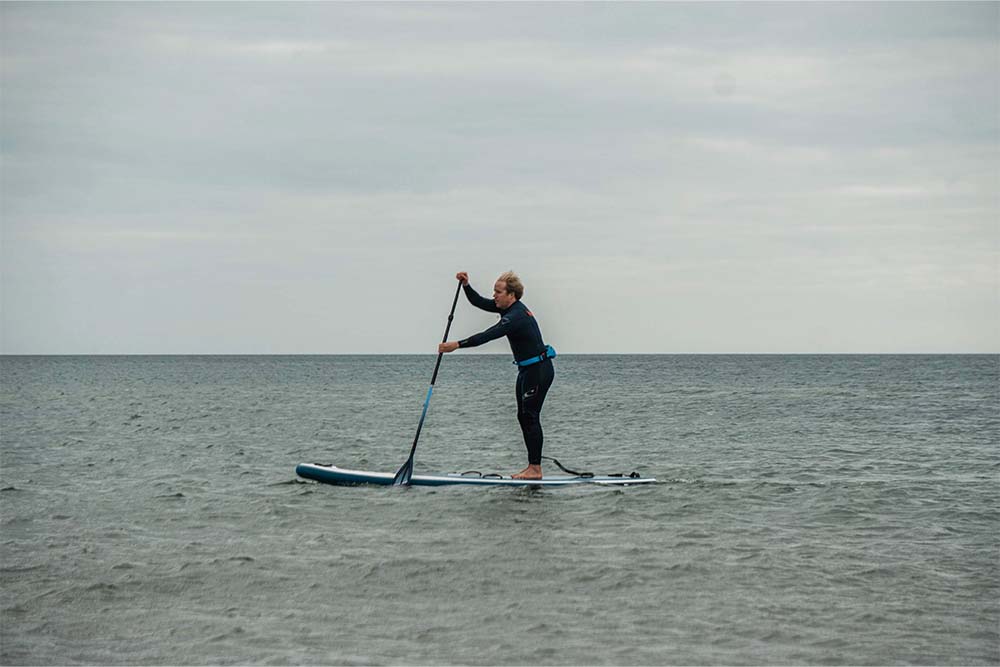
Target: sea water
pixel 811 510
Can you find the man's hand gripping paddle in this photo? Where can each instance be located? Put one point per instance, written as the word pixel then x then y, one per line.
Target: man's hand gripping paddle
pixel 403 475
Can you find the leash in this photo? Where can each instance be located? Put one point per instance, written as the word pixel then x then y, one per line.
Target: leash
pixel 575 473
pixel 567 470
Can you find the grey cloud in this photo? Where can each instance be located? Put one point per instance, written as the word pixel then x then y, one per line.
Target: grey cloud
pixel 852 148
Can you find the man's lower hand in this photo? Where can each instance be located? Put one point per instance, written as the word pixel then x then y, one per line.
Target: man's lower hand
pixel 450 346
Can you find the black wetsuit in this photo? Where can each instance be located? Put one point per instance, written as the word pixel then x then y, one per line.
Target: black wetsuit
pixel 519 326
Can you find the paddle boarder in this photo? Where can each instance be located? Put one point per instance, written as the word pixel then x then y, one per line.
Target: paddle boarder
pixel 532 356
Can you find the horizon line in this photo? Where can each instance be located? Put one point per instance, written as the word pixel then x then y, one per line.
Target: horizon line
pixel 476 354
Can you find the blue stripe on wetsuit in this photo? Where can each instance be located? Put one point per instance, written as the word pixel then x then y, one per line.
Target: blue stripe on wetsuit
pixel 549 353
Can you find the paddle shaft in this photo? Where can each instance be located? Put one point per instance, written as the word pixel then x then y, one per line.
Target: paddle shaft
pixel 451 316
pixel 403 475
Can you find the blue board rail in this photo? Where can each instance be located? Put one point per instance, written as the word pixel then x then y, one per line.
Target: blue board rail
pixel 331 474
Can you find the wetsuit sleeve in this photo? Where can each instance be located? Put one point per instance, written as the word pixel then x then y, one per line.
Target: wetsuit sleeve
pixel 498 330
pixel 478 301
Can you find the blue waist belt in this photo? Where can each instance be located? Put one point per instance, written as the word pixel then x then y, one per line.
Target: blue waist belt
pixel 549 353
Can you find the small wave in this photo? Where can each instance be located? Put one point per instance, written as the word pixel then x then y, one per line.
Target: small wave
pixel 689 567
pixel 695 534
pixel 19 569
pixel 235 632
pixel 432 633
pixel 405 568
pixel 101 586
pixel 595 575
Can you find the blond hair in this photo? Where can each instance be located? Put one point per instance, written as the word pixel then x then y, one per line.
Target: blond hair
pixel 514 285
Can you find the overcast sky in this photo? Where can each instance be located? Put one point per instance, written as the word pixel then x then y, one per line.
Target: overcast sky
pixel 673 178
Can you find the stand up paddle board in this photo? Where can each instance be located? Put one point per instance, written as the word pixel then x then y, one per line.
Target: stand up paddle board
pixel 331 474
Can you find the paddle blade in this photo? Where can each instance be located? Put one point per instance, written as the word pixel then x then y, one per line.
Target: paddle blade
pixel 404 473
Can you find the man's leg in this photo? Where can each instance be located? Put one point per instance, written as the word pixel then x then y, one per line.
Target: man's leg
pixel 533 384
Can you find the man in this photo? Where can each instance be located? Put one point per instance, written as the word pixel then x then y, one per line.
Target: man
pixel 532 356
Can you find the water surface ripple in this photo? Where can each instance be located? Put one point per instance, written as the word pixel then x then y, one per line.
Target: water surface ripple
pixel 812 510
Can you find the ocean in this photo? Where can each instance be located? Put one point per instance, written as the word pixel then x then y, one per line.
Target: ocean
pixel 810 510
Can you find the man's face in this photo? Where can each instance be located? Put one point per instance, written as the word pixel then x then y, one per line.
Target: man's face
pixel 501 297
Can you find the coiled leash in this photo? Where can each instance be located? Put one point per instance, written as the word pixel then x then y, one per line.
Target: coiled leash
pixel 567 470
pixel 631 475
pixel 576 473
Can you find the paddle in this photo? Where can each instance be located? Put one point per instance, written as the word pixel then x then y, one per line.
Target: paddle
pixel 406 471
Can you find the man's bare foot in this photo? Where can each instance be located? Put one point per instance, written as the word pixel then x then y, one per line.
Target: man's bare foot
pixel 531 472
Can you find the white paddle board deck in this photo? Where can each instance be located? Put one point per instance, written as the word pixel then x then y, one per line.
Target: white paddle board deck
pixel 331 474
